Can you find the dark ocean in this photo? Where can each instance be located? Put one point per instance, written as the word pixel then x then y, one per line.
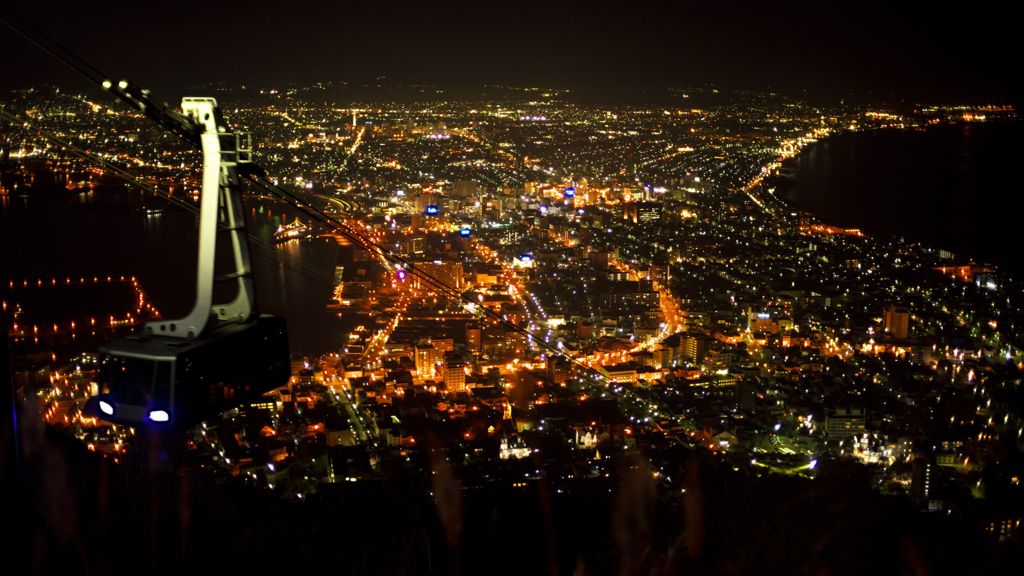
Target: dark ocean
pixel 954 187
pixel 50 233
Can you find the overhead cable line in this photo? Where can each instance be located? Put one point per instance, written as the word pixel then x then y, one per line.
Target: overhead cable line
pixel 307 271
pixel 169 120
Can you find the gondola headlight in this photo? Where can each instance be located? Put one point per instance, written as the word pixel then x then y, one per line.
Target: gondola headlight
pixel 106 407
pixel 159 416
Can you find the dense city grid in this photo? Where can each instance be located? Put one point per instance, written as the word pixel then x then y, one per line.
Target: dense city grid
pixel 677 304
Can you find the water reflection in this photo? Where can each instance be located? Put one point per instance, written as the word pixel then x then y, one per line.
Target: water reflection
pixel 945 186
pixel 105 231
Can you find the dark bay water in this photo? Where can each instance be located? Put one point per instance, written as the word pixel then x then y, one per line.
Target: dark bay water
pixel 52 232
pixel 955 187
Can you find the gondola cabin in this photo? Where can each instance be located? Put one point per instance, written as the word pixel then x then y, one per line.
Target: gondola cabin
pixel 179 372
pixel 161 382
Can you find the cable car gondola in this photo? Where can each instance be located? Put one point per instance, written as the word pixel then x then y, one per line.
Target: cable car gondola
pixel 180 372
pixel 173 382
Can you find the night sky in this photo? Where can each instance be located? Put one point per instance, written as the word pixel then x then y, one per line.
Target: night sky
pixel 865 50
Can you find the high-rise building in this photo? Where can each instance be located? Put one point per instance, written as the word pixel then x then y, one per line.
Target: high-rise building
pixel 443 345
pixel 427 358
pixel 414 245
pixel 585 329
pixel 559 368
pixel 642 212
pixel 660 273
pixel 473 336
pixel 923 479
pixel 693 347
pixel 844 423
pixel 448 273
pixel 454 372
pixel 897 322
pixel 493 208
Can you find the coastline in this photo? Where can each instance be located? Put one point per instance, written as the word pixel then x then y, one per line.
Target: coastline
pixel 938 186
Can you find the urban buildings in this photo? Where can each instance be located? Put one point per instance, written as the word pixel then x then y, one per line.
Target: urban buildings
pixel 671 310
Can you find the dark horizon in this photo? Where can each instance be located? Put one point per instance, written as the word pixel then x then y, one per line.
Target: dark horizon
pixel 856 52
